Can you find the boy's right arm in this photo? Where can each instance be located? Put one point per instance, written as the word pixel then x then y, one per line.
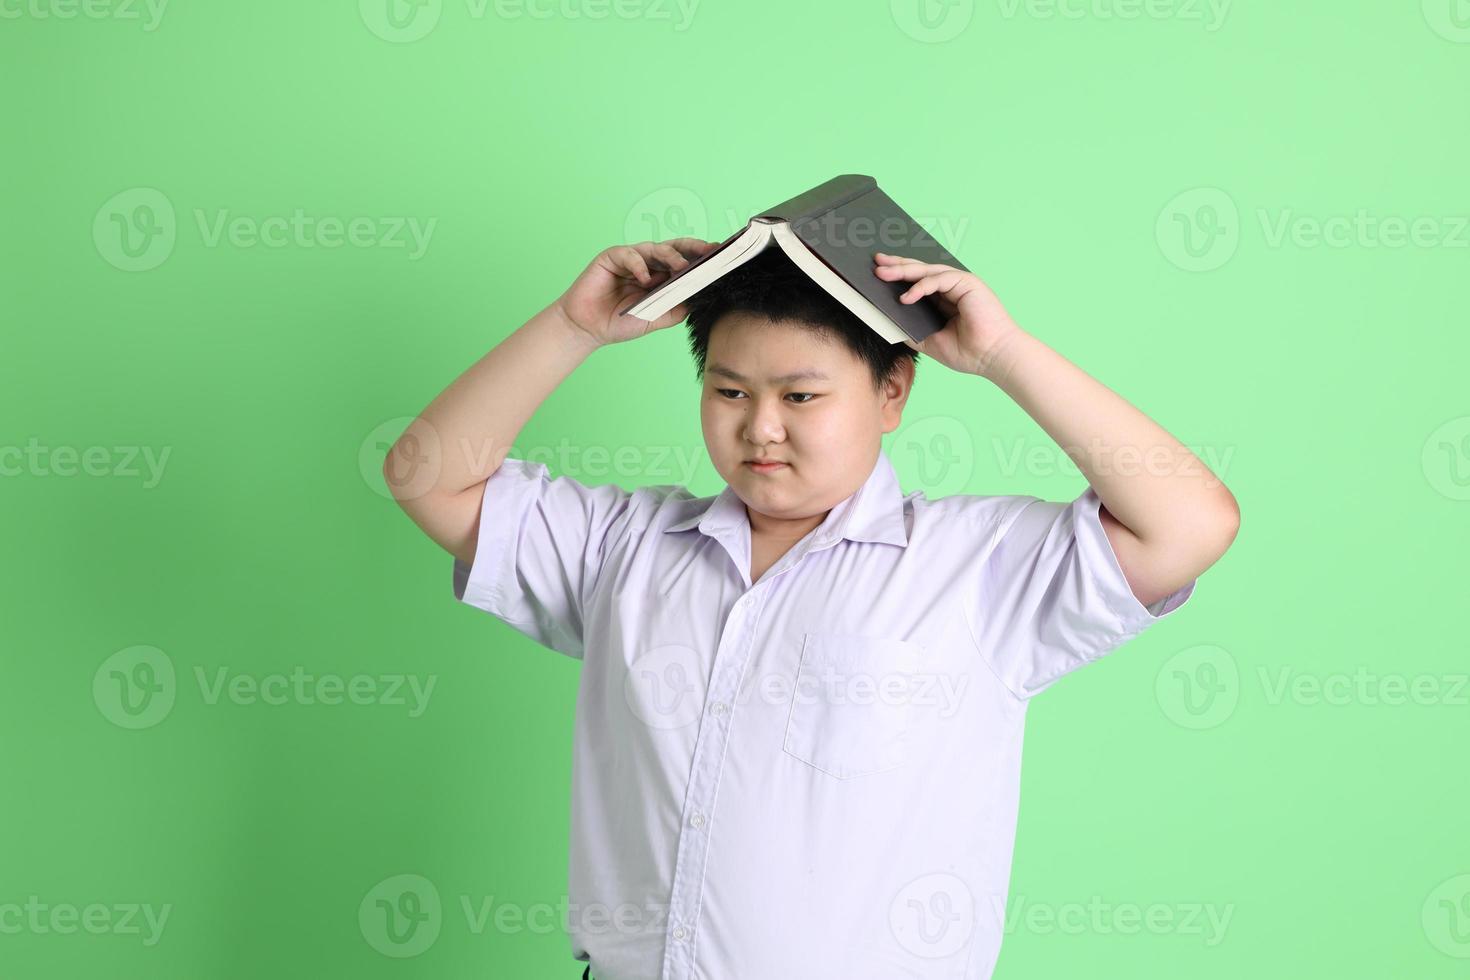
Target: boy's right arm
pixel 437 468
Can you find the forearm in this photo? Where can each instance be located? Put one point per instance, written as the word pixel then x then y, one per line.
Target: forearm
pixel 1145 477
pixel 467 430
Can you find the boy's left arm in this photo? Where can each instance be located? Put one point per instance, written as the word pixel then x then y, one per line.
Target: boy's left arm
pixel 1167 517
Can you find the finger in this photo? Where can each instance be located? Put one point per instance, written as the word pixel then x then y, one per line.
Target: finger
pixel 692 246
pixel 941 282
pixel 669 256
pixel 629 260
pixel 911 270
pixel 885 258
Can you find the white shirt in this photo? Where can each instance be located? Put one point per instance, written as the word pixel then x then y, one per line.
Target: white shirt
pixel 730 824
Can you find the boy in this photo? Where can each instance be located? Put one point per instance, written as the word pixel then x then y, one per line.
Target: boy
pixel 800 709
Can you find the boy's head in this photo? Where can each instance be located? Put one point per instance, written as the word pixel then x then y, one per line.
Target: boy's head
pixel 767 320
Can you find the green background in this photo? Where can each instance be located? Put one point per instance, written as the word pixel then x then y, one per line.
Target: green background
pixel 1119 182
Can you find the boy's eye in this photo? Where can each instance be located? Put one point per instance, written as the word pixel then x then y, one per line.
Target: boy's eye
pixel 727 392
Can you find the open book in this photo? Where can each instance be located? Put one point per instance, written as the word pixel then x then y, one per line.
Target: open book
pixel 830 232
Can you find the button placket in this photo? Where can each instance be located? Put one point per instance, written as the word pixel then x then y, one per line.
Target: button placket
pixel 736 642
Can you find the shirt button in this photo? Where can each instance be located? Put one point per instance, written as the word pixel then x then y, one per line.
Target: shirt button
pixel 680 932
pixel 697 820
pixel 718 707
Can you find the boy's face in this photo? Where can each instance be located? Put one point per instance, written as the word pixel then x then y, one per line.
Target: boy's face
pixel 826 430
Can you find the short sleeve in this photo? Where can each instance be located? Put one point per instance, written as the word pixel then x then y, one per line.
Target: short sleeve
pixel 539 551
pixel 1052 596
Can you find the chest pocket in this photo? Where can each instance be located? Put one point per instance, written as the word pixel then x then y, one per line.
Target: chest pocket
pixel 851 710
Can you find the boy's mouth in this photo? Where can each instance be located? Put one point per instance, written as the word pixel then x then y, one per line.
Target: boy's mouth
pixel 764 467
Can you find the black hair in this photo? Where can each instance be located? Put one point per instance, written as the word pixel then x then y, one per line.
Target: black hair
pixel 770 285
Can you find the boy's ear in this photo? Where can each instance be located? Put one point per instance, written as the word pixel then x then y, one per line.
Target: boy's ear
pixel 896 389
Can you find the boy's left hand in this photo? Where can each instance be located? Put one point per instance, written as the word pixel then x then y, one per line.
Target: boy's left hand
pixel 978 326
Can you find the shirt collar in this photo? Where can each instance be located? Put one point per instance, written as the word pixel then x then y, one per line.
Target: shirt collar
pixel 874 512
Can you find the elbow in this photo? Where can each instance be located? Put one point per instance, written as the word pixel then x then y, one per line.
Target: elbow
pixel 404 475
pixel 1225 525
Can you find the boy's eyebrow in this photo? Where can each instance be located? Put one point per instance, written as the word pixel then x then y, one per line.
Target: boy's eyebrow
pixel 810 374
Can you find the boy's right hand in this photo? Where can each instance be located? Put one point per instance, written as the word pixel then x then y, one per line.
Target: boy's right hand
pixel 622 275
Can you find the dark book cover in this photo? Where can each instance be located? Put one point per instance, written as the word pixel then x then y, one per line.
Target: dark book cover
pixel 843 222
